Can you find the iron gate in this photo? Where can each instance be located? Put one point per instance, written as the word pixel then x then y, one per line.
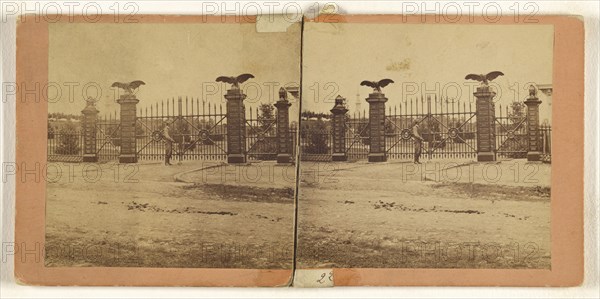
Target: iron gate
pixel 511 131
pixel 315 140
pixel 357 136
pixel 108 138
pixel 198 128
pixel 261 135
pixel 447 126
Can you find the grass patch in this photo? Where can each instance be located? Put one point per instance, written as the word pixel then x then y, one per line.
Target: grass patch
pixel 497 192
pixel 246 193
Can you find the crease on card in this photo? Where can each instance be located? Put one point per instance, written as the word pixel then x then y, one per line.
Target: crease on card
pixel 330 16
pixel 281 22
pixel 313 278
pixel 274 23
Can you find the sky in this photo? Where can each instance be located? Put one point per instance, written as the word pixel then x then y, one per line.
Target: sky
pixel 172 59
pixel 184 60
pixel 337 57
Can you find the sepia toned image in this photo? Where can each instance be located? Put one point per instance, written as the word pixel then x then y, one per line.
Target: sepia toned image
pixel 180 154
pixel 339 150
pixel 425 146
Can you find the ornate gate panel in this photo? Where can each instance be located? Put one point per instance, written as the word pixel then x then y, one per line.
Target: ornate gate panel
pixel 315 141
pixel 261 135
pixel 108 138
pixel 198 128
pixel 357 136
pixel 511 131
pixel 447 126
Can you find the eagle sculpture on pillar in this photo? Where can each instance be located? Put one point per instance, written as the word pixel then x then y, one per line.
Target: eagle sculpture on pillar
pixel 235 81
pixel 484 79
pixel 377 85
pixel 128 87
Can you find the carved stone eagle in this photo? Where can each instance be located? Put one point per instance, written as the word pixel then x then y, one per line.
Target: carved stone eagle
pixel 235 81
pixel 377 85
pixel 484 79
pixel 128 87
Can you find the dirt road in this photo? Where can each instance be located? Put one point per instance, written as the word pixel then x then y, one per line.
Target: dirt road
pixel 350 215
pixel 139 216
pixel 393 215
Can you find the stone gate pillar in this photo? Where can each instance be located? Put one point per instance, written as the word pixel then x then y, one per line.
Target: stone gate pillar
pixel 486 117
pixel 236 125
pixel 376 102
pixel 89 119
pixel 128 104
pixel 284 146
pixel 338 130
pixel 533 122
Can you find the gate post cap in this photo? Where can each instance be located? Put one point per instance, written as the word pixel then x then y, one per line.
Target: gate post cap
pixel 532 90
pixel 532 99
pixel 483 92
pixel 283 101
pixel 340 105
pixel 234 95
pixel 90 106
pixel 127 98
pixel 376 97
pixel 282 94
pixel 234 92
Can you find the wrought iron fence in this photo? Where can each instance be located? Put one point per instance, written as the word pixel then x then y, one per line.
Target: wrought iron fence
pixel 448 127
pixel 545 132
pixel 293 141
pixel 65 145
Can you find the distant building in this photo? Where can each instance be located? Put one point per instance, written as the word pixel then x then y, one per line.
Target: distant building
pixel 358 104
pixel 546 106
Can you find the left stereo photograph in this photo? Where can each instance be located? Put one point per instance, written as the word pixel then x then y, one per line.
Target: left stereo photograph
pixel 166 144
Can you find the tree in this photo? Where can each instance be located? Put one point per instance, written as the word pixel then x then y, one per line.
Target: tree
pixel 265 134
pixel 50 131
pixel 59 115
pixel 318 136
pixel 311 114
pixel 516 112
pixel 68 140
pixel 363 130
pixel 389 127
pixel 517 145
pixel 431 133
pixel 181 131
pixel 139 129
pixel 266 118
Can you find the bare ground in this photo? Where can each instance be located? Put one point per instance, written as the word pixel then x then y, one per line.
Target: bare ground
pixel 363 215
pixel 143 218
pixel 350 215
